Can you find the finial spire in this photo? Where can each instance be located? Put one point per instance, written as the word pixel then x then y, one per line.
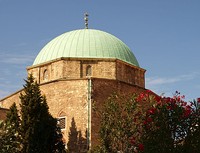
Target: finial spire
pixel 86 20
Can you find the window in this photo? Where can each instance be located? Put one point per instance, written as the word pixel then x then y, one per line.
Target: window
pixel 45 74
pixel 61 122
pixel 88 71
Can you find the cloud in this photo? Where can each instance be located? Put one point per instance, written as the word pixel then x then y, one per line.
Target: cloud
pixel 168 85
pixel 152 81
pixel 16 59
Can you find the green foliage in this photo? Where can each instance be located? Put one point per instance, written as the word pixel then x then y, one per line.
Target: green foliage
pixel 173 127
pixel 37 131
pixel 151 124
pixel 192 140
pixel 120 124
pixel 9 132
pixel 38 128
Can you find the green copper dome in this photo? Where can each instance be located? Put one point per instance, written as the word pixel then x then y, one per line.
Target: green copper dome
pixel 86 43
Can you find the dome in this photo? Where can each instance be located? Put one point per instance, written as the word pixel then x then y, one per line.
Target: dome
pixel 86 43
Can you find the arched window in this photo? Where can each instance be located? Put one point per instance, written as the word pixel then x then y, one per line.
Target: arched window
pixel 88 70
pixel 61 120
pixel 45 75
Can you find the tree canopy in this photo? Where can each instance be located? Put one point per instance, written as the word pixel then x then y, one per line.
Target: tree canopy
pixel 149 123
pixel 36 130
pixel 9 132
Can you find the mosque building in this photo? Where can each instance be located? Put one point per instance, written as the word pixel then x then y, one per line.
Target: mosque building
pixel 79 69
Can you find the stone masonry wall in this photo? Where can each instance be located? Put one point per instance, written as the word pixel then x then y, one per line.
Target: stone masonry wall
pixel 47 72
pixel 68 97
pixel 65 85
pixel 100 69
pixel 101 90
pixel 8 101
pixel 130 74
pixel 73 69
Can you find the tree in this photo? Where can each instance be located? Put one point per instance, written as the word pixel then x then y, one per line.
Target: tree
pixel 9 132
pixel 172 126
pixel 38 128
pixel 121 127
pixel 192 140
pixel 149 123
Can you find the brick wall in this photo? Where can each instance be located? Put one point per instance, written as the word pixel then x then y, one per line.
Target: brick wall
pixel 65 85
pixel 101 90
pixel 8 101
pixel 130 74
pixel 73 69
pixel 63 97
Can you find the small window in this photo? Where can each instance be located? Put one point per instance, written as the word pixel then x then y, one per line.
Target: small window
pixel 45 75
pixel 88 71
pixel 61 122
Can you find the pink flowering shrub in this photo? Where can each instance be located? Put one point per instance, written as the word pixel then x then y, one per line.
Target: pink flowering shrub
pixel 149 123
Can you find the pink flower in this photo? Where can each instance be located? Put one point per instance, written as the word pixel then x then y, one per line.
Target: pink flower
pixel 141 147
pixel 183 96
pixel 187 111
pixel 149 119
pixel 148 91
pixel 140 97
pixel 178 98
pixel 169 107
pixel 152 111
pixel 188 107
pixel 184 104
pixel 158 98
pixel 198 100
pixel 169 100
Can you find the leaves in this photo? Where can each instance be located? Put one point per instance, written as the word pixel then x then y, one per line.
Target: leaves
pixel 9 132
pixel 148 123
pixel 37 131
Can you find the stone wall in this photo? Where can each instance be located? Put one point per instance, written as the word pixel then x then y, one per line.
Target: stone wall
pixel 64 82
pixel 65 98
pixel 9 100
pixel 68 97
pixel 101 90
pixel 100 69
pixel 130 74
pixel 47 72
pixel 73 69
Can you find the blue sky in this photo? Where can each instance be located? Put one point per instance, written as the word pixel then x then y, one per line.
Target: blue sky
pixel 163 35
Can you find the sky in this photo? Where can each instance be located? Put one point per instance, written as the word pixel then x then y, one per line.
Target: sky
pixel 163 35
